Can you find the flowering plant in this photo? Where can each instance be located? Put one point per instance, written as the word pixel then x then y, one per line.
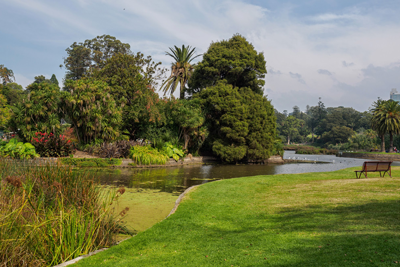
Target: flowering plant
pixel 52 145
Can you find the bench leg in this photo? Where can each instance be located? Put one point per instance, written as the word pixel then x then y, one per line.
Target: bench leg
pixel 389 172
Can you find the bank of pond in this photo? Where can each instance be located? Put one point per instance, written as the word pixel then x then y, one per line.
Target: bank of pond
pixel 145 198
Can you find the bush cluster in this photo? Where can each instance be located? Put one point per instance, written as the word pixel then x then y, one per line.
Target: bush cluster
pixel 17 150
pixel 52 145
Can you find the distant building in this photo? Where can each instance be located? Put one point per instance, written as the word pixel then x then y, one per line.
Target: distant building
pixel 394 95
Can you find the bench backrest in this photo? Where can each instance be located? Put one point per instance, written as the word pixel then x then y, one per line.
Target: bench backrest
pixel 376 165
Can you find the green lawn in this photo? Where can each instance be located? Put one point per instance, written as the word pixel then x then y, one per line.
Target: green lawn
pixel 314 219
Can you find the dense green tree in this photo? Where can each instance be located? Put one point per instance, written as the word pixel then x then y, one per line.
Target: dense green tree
pixel 13 92
pixel 241 123
pixel 365 120
pixel 38 112
pixel 7 75
pixel 296 112
pixel 188 116
pixel 338 134
pixel 92 54
pixel 234 61
pixel 4 112
pixel 78 61
pixel 316 115
pixel 94 114
pixel 131 79
pixel 181 69
pixel 290 127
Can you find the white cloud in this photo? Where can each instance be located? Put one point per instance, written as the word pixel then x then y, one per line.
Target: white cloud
pixel 358 45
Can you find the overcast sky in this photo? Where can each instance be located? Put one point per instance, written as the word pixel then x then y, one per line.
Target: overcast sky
pixel 344 51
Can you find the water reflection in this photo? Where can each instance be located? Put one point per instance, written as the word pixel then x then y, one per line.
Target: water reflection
pixel 177 179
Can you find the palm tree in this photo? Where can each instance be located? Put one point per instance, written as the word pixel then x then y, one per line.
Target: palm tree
pixel 387 119
pixel 181 69
pixel 375 123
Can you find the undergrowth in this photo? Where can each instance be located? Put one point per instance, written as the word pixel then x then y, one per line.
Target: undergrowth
pixel 50 214
pixel 91 162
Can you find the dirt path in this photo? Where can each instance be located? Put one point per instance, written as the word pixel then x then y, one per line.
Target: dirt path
pixel 81 154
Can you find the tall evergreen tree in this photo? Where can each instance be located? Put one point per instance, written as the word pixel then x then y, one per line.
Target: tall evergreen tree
pixel 242 123
pixel 235 61
pixel 54 80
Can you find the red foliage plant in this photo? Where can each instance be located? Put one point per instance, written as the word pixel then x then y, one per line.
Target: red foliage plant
pixel 52 145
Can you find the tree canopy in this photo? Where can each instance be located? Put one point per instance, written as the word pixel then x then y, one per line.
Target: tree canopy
pixel 92 109
pixel 131 79
pixel 38 112
pixel 13 92
pixel 7 75
pixel 235 61
pixel 242 123
pixel 84 57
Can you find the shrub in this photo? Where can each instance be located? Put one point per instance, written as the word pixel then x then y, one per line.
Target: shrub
pixel 17 150
pixel 146 155
pixel 118 149
pixel 52 145
pixel 172 151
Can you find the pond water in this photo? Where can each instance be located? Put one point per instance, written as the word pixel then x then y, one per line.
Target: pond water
pixel 151 193
pixel 177 179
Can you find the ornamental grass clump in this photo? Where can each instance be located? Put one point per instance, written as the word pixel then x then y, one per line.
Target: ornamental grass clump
pixel 146 155
pixel 49 215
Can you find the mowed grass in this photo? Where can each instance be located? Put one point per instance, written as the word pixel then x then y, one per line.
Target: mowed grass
pixel 313 219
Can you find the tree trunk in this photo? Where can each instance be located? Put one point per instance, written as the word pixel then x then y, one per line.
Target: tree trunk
pixel 182 93
pixel 312 134
pixel 288 140
pixel 382 143
pixel 186 139
pixel 391 142
pixel 77 134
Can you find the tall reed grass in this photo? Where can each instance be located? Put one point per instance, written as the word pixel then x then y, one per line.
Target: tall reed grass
pixel 50 214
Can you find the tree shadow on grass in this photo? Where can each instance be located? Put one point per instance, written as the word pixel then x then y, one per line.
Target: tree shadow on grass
pixel 347 235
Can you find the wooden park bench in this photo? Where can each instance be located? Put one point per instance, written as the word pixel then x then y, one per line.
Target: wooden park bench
pixel 375 166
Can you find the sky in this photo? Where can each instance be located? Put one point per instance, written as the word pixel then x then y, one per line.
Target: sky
pixel 345 52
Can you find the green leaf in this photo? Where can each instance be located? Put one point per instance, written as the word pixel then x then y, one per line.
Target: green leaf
pixel 175 157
